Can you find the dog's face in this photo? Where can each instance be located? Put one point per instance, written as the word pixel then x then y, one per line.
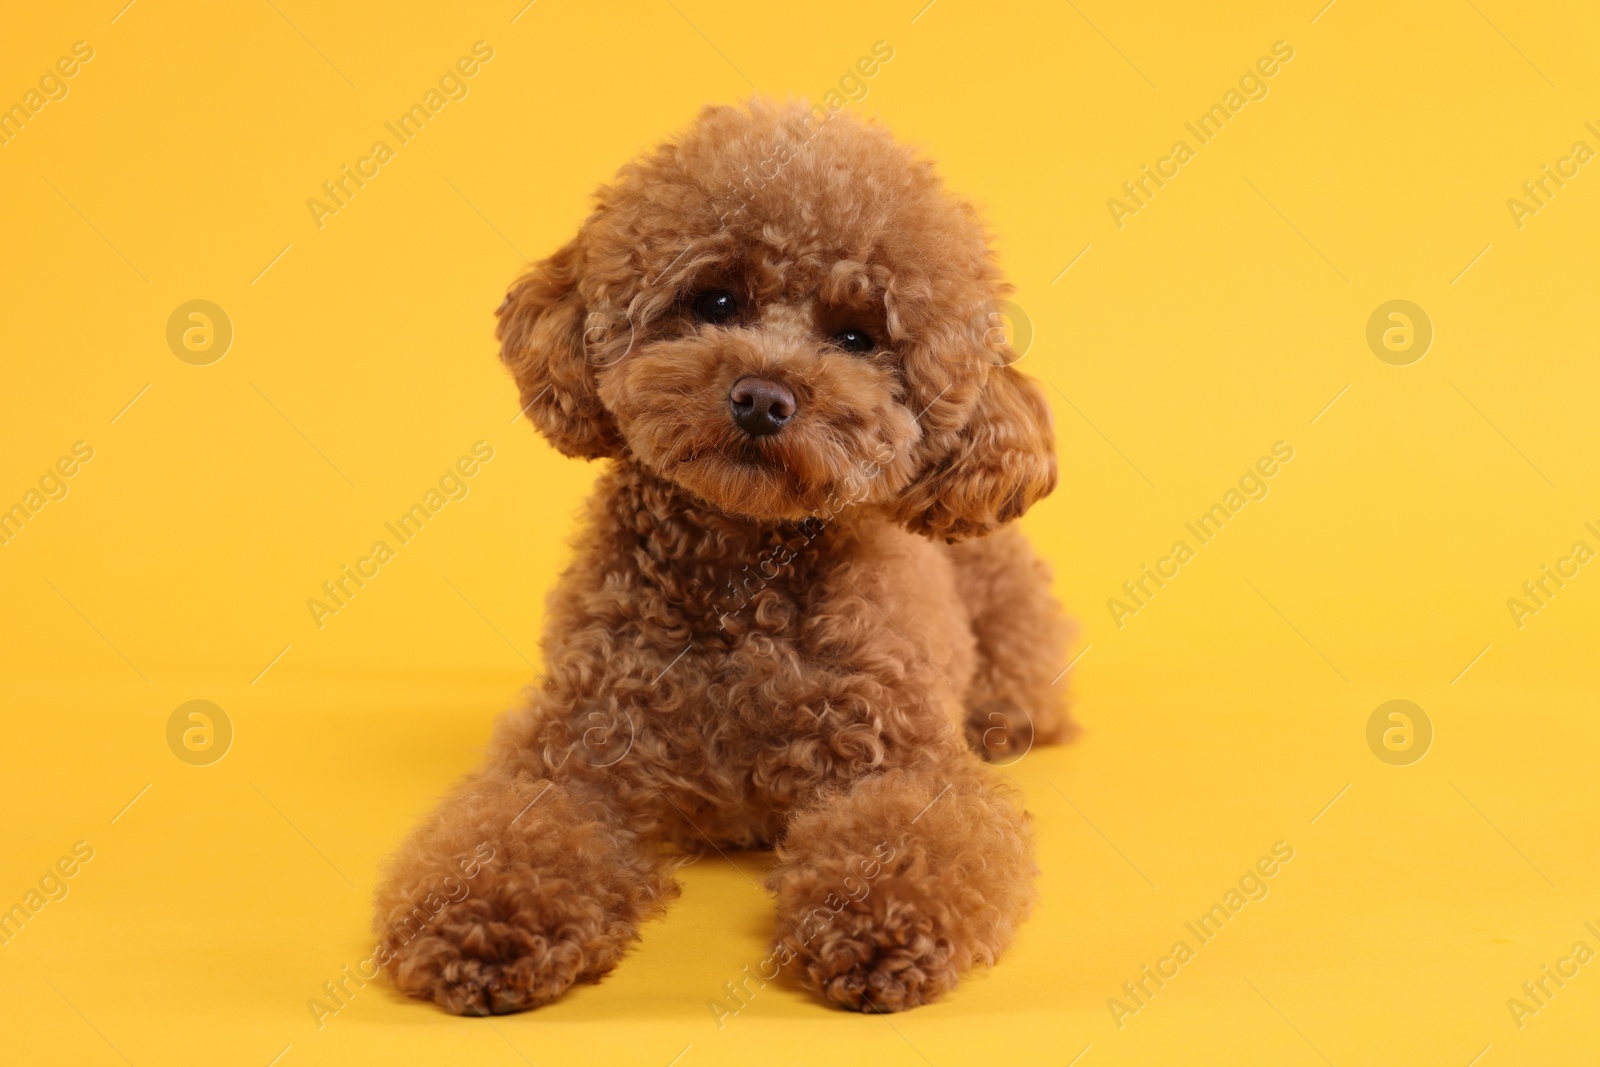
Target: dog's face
pixel 785 315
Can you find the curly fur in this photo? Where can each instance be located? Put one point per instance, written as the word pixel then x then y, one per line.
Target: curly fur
pixel 804 640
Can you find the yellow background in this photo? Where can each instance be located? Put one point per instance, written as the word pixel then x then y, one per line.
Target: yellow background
pixel 1223 317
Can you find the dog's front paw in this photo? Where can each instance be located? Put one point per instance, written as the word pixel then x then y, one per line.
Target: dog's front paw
pixel 497 953
pixel 869 961
pixel 890 925
pixel 553 895
pixel 485 969
pixel 468 986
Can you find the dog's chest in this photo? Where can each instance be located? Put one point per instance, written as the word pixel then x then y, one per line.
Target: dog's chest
pixel 816 637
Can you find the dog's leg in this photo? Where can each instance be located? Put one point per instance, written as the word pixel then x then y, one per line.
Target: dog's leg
pixel 1014 700
pixel 514 889
pixel 889 892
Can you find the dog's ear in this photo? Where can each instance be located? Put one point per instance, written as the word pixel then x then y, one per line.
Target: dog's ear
pixel 541 333
pixel 1002 460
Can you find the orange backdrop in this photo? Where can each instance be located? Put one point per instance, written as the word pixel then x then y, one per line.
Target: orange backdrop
pixel 1330 271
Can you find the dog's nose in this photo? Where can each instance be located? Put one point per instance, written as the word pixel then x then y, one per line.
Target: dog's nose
pixel 760 406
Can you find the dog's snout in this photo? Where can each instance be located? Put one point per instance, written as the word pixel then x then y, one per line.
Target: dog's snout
pixel 760 406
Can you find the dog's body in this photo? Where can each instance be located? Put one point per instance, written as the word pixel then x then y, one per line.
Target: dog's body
pixel 757 700
pixel 759 643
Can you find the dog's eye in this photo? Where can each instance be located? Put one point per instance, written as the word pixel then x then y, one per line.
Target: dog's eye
pixel 853 340
pixel 715 306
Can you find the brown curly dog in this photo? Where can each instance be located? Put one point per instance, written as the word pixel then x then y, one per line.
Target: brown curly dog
pixel 796 617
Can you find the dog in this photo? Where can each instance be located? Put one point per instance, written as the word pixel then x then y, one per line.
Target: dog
pixel 797 618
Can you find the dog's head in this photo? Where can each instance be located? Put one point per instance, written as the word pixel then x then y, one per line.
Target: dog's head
pixel 785 314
